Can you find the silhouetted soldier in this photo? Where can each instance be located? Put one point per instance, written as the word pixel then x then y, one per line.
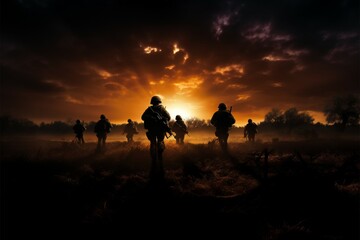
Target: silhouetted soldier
pixel 102 128
pixel 250 130
pixel 79 130
pixel 130 129
pixel 223 121
pixel 156 120
pixel 180 129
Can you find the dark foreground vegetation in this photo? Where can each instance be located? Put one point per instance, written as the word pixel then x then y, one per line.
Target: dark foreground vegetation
pixel 279 190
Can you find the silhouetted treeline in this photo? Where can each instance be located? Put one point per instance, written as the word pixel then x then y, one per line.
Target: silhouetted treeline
pixel 343 111
pixel 289 122
pixel 10 125
pixel 301 124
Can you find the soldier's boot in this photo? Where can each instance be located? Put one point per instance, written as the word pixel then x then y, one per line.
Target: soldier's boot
pixel 161 148
pixel 154 160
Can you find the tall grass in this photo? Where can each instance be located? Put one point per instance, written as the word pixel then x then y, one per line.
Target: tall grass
pixel 307 186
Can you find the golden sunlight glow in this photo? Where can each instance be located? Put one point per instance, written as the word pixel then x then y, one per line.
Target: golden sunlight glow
pixel 185 109
pixel 230 68
pixel 218 81
pixel 186 57
pixel 170 67
pixel 149 49
pixel 273 58
pixel 318 116
pixel 184 113
pixel 175 48
pixel 242 97
pixel 185 87
pixel 237 86
pixel 104 74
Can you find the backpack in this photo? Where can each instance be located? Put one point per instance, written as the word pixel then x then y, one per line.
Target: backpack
pixel 157 121
pixel 102 127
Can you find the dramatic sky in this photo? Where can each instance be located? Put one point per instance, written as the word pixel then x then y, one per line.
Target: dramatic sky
pixel 78 59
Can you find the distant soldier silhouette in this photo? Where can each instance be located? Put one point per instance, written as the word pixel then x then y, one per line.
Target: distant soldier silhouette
pixel 79 130
pixel 250 130
pixel 102 128
pixel 156 120
pixel 223 121
pixel 180 129
pixel 130 129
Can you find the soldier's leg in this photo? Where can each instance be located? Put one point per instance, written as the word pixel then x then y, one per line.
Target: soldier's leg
pixel 226 141
pixel 153 150
pixel 182 140
pixel 251 138
pixel 223 142
pixel 160 149
pixel 99 142
pixel 104 141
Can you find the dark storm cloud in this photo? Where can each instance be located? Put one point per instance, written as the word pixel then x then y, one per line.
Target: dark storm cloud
pixel 257 54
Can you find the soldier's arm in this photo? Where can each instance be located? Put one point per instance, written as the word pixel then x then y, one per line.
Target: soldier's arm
pixel 232 119
pixel 213 119
pixel 145 115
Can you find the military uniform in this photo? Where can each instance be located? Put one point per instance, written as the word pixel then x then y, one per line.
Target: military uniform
pixel 156 122
pixel 250 130
pixel 180 129
pixel 130 129
pixel 79 130
pixel 222 120
pixel 102 128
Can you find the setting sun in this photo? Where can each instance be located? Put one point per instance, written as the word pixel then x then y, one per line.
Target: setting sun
pixel 183 111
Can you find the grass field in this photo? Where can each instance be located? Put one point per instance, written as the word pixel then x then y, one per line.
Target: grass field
pixel 280 190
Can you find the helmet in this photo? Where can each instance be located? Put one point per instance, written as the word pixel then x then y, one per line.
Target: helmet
pixel 102 116
pixel 178 117
pixel 155 99
pixel 78 121
pixel 222 106
pixel 129 120
pixel 250 120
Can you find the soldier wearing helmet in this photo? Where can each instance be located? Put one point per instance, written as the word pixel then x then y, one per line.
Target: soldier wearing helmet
pixel 250 130
pixel 130 129
pixel 156 119
pixel 79 130
pixel 180 129
pixel 102 128
pixel 223 121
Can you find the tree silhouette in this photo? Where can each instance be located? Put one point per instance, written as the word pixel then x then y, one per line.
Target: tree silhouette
pixel 275 117
pixel 289 119
pixel 196 123
pixel 294 119
pixel 343 110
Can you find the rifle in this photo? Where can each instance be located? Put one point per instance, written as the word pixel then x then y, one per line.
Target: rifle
pixel 164 123
pixel 230 109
